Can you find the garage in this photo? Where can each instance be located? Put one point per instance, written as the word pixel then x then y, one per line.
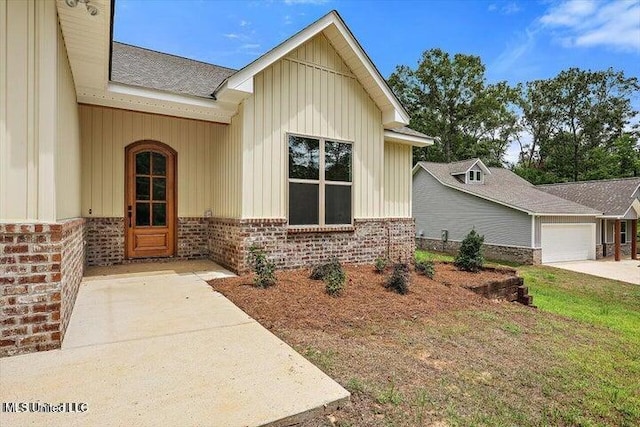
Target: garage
pixel 568 242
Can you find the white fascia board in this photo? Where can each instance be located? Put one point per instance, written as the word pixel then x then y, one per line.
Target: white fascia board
pixel 595 214
pixel 416 141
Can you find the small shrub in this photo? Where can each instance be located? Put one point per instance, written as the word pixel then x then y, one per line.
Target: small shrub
pixel 380 264
pixel 399 279
pixel 262 267
pixel 426 268
pixel 334 281
pixel 320 271
pixel 469 257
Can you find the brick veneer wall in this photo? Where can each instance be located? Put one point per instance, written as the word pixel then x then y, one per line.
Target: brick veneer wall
pixel 230 239
pixel 193 238
pixel 105 241
pixel 504 253
pixel 41 267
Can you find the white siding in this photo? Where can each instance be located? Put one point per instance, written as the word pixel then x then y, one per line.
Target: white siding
pixel 397 180
pixel 28 67
pixel 68 156
pixel 311 92
pixel 204 159
pixel 437 208
pixel 564 220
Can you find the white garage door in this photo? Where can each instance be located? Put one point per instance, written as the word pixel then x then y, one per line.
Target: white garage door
pixel 568 242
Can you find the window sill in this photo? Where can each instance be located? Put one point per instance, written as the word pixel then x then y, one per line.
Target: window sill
pixel 320 229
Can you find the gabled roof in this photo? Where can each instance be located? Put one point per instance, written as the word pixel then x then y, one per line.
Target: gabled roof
pixel 614 197
pixel 137 66
pixel 462 167
pixel 506 188
pixel 240 85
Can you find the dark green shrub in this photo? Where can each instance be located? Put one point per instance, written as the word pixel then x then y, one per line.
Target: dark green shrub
pixel 469 257
pixel 426 268
pixel 262 267
pixel 380 264
pixel 399 278
pixel 334 281
pixel 320 271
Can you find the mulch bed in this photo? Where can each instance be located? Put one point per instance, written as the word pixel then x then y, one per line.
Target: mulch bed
pixel 297 302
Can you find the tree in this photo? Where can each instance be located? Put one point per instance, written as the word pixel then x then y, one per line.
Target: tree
pixel 576 121
pixel 448 97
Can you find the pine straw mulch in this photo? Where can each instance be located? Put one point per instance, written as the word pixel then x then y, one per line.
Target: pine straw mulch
pixel 298 302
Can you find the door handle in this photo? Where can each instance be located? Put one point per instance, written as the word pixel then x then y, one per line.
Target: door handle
pixel 129 215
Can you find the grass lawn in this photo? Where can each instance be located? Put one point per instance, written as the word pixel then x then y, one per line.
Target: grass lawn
pixel 464 360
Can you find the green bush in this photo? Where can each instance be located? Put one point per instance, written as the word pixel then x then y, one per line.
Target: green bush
pixel 320 271
pixel 399 278
pixel 380 264
pixel 334 281
pixel 469 257
pixel 426 268
pixel 262 267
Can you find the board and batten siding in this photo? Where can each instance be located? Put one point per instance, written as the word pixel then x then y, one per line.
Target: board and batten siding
pixel 29 51
pixel 201 148
pixel 564 220
pixel 68 153
pixel 309 92
pixel 437 207
pixel 397 180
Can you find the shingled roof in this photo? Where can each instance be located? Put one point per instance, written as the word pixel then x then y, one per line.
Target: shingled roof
pixel 505 187
pixel 613 197
pixel 146 68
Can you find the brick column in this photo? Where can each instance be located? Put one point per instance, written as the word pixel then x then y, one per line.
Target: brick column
pixel 616 239
pixel 634 237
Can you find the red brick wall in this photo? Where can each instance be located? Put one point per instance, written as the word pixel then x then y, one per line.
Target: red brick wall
pixel 192 238
pixel 105 241
pixel 230 239
pixel 40 271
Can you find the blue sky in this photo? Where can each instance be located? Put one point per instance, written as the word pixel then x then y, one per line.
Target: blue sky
pixel 517 40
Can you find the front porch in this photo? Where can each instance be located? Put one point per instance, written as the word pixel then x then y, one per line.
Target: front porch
pixel 619 238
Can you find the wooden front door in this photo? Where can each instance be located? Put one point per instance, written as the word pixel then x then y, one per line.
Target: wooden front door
pixel 150 205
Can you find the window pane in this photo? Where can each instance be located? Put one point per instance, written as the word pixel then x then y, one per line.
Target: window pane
pixel 337 159
pixel 142 214
pixel 142 188
pixel 303 203
pixel 143 161
pixel 338 204
pixel 471 175
pixel 159 214
pixel 478 176
pixel 159 164
pixel 159 189
pixel 304 158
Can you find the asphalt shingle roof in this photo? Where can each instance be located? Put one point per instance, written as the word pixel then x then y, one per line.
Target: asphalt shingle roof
pixel 612 196
pixel 137 66
pixel 504 186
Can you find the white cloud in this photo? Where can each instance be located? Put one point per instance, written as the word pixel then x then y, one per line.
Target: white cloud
pixel 589 23
pixel 244 23
pixel 250 46
pixel 232 36
pixel 287 20
pixel 507 8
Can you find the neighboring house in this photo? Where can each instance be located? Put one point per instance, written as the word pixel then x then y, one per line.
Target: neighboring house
pixel 111 153
pixel 618 199
pixel 519 222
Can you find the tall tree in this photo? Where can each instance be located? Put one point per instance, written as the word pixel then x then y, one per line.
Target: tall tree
pixel 574 120
pixel 448 98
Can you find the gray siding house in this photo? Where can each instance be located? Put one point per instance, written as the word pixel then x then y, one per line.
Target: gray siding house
pixel 519 222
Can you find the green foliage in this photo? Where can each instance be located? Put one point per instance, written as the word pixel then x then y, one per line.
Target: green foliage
pixel 334 281
pixel 320 271
pixel 579 124
pixel 447 96
pixel 469 257
pixel 380 264
pixel 263 268
pixel 426 268
pixel 398 281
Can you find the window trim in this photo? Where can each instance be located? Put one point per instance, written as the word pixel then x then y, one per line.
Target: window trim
pixel 478 176
pixel 623 232
pixel 322 182
pixel 471 176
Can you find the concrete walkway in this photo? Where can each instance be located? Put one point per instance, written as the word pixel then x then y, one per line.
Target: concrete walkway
pixel 626 270
pixel 160 347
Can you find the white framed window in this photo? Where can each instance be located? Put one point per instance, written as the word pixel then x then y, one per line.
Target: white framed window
pixel 471 175
pixel 478 176
pixel 320 181
pixel 623 232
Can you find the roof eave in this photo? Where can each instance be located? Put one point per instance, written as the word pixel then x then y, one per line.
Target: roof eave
pixel 416 141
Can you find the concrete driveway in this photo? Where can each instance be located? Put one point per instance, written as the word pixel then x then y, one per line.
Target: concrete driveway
pixel 626 270
pixel 162 348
